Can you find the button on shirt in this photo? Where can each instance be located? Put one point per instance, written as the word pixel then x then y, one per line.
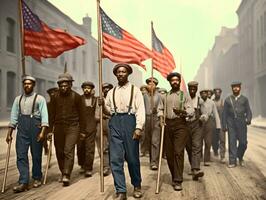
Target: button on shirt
pixel 208 108
pixel 174 100
pixel 122 98
pixel 40 109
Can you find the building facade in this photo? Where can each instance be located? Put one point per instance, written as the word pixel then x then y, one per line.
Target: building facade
pixel 82 62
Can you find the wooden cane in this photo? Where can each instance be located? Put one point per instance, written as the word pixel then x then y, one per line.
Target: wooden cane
pixel 48 161
pixel 161 149
pixel 6 165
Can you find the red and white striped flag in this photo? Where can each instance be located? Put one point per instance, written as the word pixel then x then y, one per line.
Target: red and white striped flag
pixel 40 41
pixel 119 45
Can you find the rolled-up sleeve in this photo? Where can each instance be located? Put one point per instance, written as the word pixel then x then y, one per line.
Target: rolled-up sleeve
pixel 140 110
pixel 14 113
pixel 43 112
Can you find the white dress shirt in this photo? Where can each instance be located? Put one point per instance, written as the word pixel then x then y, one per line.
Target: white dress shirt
pixel 122 100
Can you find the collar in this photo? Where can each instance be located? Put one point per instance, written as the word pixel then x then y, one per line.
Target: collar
pixel 29 95
pixel 124 86
pixel 177 92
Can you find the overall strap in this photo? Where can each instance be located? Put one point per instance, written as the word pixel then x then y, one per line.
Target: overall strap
pixel 33 105
pixel 131 99
pixel 114 100
pixel 198 103
pixel 233 106
pixel 19 103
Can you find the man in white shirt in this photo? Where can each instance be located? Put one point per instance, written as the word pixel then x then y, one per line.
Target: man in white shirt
pixel 126 106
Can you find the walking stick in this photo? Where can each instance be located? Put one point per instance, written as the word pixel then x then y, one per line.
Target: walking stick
pixel 6 165
pixel 48 159
pixel 161 150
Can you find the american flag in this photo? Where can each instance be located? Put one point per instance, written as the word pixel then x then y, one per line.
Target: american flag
pixel 119 45
pixel 163 60
pixel 40 41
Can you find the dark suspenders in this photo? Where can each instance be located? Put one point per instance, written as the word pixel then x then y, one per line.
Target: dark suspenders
pixel 130 101
pixel 33 105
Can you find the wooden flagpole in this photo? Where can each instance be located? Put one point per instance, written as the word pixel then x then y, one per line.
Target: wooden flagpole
pixel 152 92
pixel 100 92
pixel 21 25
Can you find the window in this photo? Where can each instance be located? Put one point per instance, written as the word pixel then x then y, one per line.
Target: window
pixel 84 63
pixel 10 38
pixel 11 88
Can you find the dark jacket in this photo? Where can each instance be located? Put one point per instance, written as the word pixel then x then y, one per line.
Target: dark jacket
pixel 91 125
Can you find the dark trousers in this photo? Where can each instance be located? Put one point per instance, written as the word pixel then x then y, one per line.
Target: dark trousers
pixel 237 131
pixel 86 151
pixel 194 144
pixel 123 147
pixel 65 139
pixel 176 135
pixel 105 143
pixel 207 128
pixel 152 136
pixel 218 142
pixel 28 130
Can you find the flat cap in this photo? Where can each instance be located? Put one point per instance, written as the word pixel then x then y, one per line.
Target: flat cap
pixel 204 90
pixel 172 74
pixel 27 77
pixel 88 83
pixel 127 66
pixel 50 90
pixel 217 89
pixel 155 80
pixel 193 83
pixel 65 77
pixel 236 83
pixel 108 85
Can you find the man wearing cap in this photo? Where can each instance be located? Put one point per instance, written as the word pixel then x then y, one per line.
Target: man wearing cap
pixel 210 93
pixel 106 87
pixel 152 125
pixel 86 145
pixel 218 136
pixel 236 116
pixel 144 89
pixel 68 121
pixel 194 143
pixel 178 107
pixel 126 105
pixel 29 115
pixel 208 112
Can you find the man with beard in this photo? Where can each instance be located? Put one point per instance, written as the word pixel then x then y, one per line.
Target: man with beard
pixel 86 144
pixel 218 136
pixel 236 116
pixel 68 120
pixel 178 107
pixel 152 125
pixel 194 143
pixel 210 93
pixel 208 111
pixel 29 114
pixel 126 106
pixel 106 87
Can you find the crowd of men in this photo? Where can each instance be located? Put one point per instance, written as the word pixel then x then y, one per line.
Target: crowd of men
pixel 132 117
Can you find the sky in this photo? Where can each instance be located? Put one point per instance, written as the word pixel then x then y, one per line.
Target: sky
pixel 186 27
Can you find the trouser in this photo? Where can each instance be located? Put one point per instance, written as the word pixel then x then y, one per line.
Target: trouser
pixel 218 142
pixel 86 151
pixel 176 135
pixel 237 131
pixel 143 142
pixel 105 144
pixel 194 144
pixel 207 128
pixel 65 139
pixel 123 147
pixel 152 135
pixel 28 130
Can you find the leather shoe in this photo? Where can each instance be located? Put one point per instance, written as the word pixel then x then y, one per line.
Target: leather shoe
pixel 65 180
pixel 121 196
pixel 37 183
pixel 178 186
pixel 88 173
pixel 197 174
pixel 207 164
pixel 137 192
pixel 154 167
pixel 231 165
pixel 20 188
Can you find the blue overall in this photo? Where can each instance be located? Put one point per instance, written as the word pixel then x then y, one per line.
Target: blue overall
pixel 28 129
pixel 123 147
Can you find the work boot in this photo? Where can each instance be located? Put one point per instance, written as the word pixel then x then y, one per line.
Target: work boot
pixel 197 174
pixel 106 171
pixel 81 170
pixel 177 186
pixel 88 173
pixel 20 188
pixel 207 164
pixel 222 160
pixel 241 163
pixel 66 180
pixel 137 192
pixel 121 196
pixel 37 183
pixel 154 167
pixel 60 178
pixel 231 165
